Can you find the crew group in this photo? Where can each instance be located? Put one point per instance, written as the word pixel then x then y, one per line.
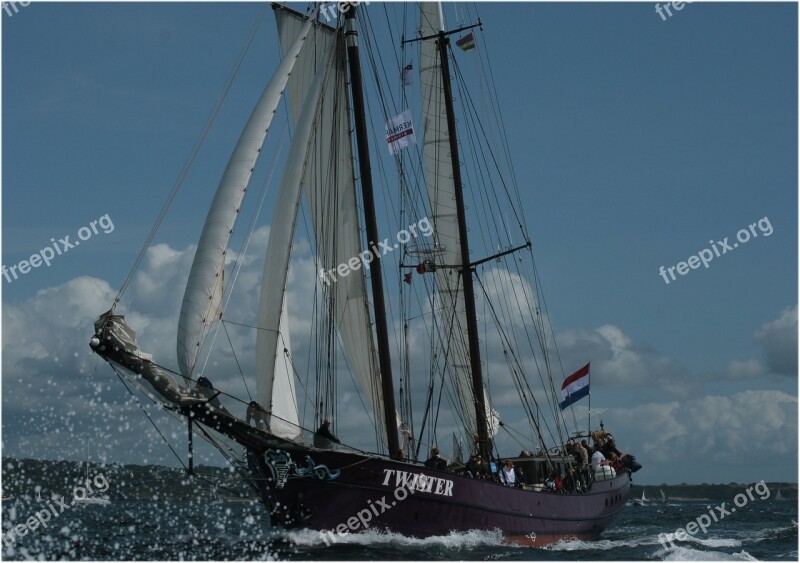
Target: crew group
pixel 584 464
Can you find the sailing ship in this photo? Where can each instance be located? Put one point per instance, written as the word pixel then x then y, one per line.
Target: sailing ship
pixel 304 478
pixel 640 501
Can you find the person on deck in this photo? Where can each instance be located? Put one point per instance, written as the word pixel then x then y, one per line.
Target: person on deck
pixel 508 475
pixel 571 482
pixel 559 483
pixel 436 461
pixel 474 467
pixel 573 453
pixel 598 460
pixel 520 478
pixel 582 454
pixel 207 390
pixel 550 482
pixel 610 448
pixel 601 468
pixel 257 415
pixel 323 437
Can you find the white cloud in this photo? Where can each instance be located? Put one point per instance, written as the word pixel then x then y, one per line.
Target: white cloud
pixel 49 332
pixel 617 362
pixel 709 438
pixel 54 386
pixel 745 369
pixel 778 340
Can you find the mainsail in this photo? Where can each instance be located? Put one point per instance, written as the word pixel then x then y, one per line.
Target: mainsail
pixel 444 216
pixel 202 300
pixel 276 265
pixel 329 187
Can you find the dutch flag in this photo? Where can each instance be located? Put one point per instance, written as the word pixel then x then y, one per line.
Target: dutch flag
pixel 575 387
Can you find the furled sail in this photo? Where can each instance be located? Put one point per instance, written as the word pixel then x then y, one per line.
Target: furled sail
pixel 329 186
pixel 202 300
pixel 441 194
pixel 276 266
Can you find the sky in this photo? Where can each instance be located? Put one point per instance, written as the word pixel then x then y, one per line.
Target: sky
pixel 638 141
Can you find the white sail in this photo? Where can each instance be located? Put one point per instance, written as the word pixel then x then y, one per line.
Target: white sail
pixel 202 299
pixel 285 421
pixel 276 265
pixel 444 217
pixel 329 186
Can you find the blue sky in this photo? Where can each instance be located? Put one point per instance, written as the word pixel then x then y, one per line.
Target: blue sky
pixel 636 141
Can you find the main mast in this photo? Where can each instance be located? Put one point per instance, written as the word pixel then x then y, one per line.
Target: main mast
pixel 481 422
pixel 371 224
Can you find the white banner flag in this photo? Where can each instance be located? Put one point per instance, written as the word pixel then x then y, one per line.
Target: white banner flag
pixel 400 132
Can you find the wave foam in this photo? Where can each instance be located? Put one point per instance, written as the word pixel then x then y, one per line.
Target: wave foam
pixel 603 545
pixel 689 554
pixel 453 540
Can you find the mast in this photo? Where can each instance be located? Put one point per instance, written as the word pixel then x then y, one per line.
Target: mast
pixel 466 267
pixel 371 224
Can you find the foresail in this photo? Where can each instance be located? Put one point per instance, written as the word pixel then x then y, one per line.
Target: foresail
pixel 276 265
pixel 284 421
pixel 444 217
pixel 202 300
pixel 329 186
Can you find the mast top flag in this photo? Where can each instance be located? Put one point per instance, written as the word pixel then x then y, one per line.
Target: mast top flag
pixel 575 387
pixel 466 43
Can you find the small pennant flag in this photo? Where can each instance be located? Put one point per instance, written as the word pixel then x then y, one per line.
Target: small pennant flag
pixel 407 278
pixel 400 132
pixel 408 73
pixel 466 43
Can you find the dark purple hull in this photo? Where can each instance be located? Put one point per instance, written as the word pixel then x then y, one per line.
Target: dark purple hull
pixel 366 495
pixel 345 491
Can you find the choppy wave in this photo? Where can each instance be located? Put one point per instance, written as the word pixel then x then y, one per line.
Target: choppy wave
pixel 453 540
pixel 160 530
pixel 716 542
pixel 767 534
pixel 688 554
pixel 599 545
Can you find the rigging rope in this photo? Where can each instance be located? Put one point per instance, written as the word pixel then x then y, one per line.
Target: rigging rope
pixel 135 398
pixel 192 155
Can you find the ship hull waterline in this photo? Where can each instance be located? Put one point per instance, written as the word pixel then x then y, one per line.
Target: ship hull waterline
pixel 375 493
pixel 344 490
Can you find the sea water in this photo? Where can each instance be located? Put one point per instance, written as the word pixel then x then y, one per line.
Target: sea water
pixel 198 530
